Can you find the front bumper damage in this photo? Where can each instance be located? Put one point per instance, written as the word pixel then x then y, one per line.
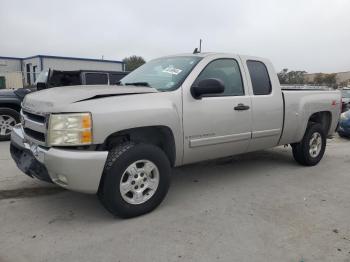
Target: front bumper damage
pixel 77 170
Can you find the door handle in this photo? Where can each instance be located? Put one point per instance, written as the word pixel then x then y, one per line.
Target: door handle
pixel 241 107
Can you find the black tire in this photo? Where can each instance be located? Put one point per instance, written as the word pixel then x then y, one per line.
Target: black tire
pixel 119 159
pixel 5 112
pixel 301 151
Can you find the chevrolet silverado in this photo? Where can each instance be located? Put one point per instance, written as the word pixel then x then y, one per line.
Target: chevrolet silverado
pixel 121 142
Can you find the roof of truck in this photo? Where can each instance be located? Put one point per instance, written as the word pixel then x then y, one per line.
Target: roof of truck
pixel 221 54
pixel 204 54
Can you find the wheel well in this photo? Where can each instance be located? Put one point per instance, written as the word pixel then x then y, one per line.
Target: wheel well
pixel 11 106
pixel 161 136
pixel 324 118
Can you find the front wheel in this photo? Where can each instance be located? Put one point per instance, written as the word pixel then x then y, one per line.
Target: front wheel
pixel 311 149
pixel 136 179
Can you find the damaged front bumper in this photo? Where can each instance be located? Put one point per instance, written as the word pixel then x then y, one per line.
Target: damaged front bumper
pixel 77 170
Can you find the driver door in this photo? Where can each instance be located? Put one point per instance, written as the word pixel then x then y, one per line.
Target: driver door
pixel 217 125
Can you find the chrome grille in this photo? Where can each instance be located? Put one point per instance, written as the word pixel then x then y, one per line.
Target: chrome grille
pixel 34 126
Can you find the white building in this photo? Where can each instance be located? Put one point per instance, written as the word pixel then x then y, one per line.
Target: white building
pixel 18 72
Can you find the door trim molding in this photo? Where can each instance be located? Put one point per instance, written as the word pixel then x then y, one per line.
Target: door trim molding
pixel 266 133
pixel 197 142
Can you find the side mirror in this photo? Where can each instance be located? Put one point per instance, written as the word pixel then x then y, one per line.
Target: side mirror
pixel 207 86
pixel 41 86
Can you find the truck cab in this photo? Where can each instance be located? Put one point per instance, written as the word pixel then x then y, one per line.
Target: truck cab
pixel 242 123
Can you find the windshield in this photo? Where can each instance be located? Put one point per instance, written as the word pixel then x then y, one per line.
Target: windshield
pixel 164 74
pixel 345 93
pixel 42 77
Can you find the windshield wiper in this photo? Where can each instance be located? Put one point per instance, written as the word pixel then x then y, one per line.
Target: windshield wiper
pixel 138 84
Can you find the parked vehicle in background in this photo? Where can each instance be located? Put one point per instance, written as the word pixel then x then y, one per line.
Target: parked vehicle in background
pixel 344 124
pixel 345 99
pixel 10 100
pixel 122 142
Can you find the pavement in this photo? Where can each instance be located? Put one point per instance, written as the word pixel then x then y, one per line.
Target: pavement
pixel 260 206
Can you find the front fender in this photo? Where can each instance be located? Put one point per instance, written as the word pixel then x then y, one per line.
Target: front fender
pixel 115 114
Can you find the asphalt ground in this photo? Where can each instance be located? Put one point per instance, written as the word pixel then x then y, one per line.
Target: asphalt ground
pixel 260 206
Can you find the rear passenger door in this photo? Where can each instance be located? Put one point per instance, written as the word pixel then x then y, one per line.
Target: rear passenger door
pixel 267 103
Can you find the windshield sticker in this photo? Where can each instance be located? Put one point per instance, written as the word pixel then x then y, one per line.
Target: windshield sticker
pixel 172 70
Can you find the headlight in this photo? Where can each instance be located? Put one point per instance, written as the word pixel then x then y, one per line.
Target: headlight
pixel 70 129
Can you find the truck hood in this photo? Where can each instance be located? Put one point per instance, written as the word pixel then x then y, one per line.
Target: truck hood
pixel 46 100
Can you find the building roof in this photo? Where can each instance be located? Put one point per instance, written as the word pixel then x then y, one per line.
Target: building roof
pixel 62 57
pixel 9 57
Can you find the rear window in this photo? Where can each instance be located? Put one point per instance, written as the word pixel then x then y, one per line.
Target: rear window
pixel 96 79
pixel 260 77
pixel 64 78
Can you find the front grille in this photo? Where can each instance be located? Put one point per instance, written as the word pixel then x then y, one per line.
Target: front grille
pixel 35 134
pixel 34 126
pixel 36 118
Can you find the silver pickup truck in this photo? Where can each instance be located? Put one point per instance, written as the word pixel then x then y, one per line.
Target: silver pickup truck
pixel 120 142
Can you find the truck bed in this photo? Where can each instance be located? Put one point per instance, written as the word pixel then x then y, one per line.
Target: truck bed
pixel 298 107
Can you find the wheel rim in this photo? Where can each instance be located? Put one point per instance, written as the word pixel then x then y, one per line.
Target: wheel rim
pixel 139 182
pixel 6 124
pixel 315 144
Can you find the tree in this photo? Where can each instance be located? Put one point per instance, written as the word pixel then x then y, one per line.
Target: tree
pixel 133 62
pixel 291 77
pixel 326 79
pixel 330 79
pixel 318 80
pixel 282 76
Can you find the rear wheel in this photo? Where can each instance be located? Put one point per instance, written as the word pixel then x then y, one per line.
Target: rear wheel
pixel 8 119
pixel 136 179
pixel 311 149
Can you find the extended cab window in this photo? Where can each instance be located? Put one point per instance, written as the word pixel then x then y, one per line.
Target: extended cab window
pixel 260 78
pixel 227 70
pixel 96 79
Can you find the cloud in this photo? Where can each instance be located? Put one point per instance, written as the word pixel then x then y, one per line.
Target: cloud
pixel 303 35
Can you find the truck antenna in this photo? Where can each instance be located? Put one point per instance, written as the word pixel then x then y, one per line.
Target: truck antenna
pixel 196 50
